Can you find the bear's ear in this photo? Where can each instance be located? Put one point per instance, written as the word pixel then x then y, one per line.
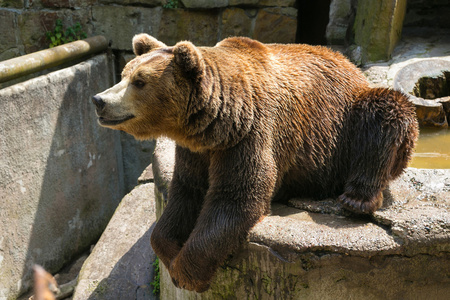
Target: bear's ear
pixel 189 59
pixel 143 43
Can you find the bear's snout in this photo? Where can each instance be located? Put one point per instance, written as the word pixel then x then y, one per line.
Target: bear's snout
pixel 99 103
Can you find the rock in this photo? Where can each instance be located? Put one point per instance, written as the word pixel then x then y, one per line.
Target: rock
pixel 120 265
pixel 147 175
pixel 120 23
pixel 67 3
pixel 199 27
pixel 275 26
pixel 378 26
pixel 279 3
pixel 235 22
pixel 339 21
pixel 274 3
pixel 243 2
pixel 429 112
pixel 9 47
pixel 445 101
pixel 12 3
pixel 204 3
pixel 34 24
pixel 147 3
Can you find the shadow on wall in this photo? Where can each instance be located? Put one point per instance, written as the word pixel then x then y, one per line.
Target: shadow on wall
pixel 77 164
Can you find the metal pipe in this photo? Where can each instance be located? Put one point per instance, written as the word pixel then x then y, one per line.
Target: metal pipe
pixel 44 59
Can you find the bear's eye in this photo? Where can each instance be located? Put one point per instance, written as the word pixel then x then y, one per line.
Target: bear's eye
pixel 138 83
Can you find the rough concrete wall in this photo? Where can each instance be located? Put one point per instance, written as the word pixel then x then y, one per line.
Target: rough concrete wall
pixel 61 175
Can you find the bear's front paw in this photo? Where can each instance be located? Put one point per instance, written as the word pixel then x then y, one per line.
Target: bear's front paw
pixel 184 276
pixel 360 206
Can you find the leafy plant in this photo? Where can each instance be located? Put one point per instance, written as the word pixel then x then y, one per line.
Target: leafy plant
pixel 171 4
pixel 59 36
pixel 156 279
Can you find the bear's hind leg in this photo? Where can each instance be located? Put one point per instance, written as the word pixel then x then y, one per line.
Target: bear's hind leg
pixel 382 137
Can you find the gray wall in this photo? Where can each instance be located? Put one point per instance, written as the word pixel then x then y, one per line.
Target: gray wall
pixel 61 174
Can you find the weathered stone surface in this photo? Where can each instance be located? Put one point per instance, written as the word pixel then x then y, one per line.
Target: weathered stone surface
pixel 151 3
pixel 279 3
pixel 243 2
pixel 378 27
pixel 273 26
pixel 276 3
pixel 339 21
pixel 119 24
pixel 61 174
pixel 147 175
pixel 429 112
pixel 67 3
pixel 34 24
pixel 235 22
pixel 120 265
pixel 204 3
pixel 199 27
pixel 12 3
pixel 9 45
pixel 322 250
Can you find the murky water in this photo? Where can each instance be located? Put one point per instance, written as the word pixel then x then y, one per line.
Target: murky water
pixel 432 150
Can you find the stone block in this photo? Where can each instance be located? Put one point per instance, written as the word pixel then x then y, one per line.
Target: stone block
pixel 275 26
pixel 33 25
pixel 67 3
pixel 61 174
pixel 199 27
pixel 236 22
pixel 9 45
pixel 378 26
pixel 120 23
pixel 408 79
pixel 243 2
pixel 204 3
pixel 339 21
pixel 277 3
pixel 12 3
pixel 149 3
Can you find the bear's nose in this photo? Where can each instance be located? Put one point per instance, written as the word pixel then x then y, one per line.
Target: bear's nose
pixel 99 103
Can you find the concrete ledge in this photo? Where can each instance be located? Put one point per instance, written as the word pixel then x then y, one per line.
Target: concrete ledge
pixel 316 250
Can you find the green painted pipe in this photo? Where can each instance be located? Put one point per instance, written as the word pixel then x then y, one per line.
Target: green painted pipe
pixel 44 59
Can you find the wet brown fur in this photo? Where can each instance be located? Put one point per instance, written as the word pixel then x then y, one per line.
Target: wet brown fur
pixel 253 123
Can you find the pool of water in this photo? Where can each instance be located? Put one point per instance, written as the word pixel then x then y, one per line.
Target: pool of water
pixel 432 149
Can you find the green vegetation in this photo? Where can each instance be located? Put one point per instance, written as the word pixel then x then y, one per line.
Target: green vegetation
pixel 172 4
pixel 156 279
pixel 59 36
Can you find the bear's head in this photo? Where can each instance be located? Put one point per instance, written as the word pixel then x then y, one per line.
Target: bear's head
pixel 153 96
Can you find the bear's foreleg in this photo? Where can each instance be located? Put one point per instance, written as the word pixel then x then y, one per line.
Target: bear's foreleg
pixel 383 131
pixel 185 199
pixel 242 180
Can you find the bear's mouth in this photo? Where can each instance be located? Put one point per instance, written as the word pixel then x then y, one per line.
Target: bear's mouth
pixel 112 122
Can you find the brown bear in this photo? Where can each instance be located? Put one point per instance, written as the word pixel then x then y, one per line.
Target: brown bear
pixel 253 123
